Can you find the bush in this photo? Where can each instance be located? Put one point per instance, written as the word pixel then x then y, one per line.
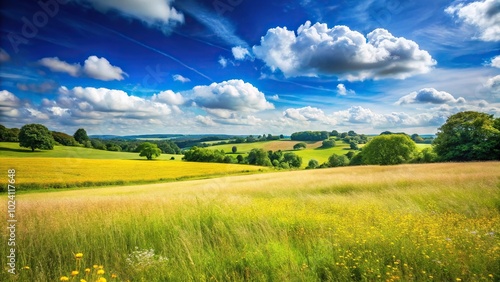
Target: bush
pixel 328 144
pixel 312 164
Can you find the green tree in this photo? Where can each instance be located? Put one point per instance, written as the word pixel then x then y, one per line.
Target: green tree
pixel 427 155
pixel 81 136
pixel 234 149
pixel 259 157
pixel 353 145
pixel 328 144
pixel 240 159
pixel 299 146
pixel 36 136
pixel 292 159
pixel 312 164
pixel 64 139
pixel 149 150
pixel 389 150
pixel 336 160
pixel 468 136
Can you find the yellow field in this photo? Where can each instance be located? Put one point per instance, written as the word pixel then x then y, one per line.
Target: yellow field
pixel 68 172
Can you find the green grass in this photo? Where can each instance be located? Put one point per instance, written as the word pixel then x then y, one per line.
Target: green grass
pixel 12 150
pixel 431 222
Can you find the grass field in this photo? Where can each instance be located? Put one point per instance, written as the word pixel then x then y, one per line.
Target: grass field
pixel 432 222
pixel 12 150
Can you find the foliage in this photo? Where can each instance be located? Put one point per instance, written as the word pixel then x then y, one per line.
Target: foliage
pixel 337 160
pixel 350 154
pixel 81 136
pixel 197 154
pixel 389 149
pixel 234 149
pixel 468 136
pixel 64 139
pixel 9 134
pixel 36 136
pixel 353 145
pixel 299 146
pixel 328 144
pixel 356 159
pixel 292 160
pixel 97 144
pixel 312 164
pixel 259 157
pixel 149 150
pixel 310 135
pixel 427 155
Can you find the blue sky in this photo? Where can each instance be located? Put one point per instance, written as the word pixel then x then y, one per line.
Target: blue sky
pixel 247 67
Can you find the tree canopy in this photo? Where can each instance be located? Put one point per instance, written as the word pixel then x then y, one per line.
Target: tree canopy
pixel 81 136
pixel 468 136
pixel 36 136
pixel 389 150
pixel 149 150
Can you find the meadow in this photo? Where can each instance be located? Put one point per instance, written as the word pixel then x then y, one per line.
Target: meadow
pixel 427 222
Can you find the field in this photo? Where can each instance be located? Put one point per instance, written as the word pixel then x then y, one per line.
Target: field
pixel 432 222
pixel 81 167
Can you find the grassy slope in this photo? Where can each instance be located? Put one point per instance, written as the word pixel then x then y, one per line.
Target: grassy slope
pixel 433 222
pixel 12 150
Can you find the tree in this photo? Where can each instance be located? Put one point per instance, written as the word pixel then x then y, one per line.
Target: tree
pixel 259 157
pixel 389 150
pixel 234 149
pixel 299 146
pixel 468 136
pixel 64 139
pixel 240 159
pixel 149 150
pixel 353 145
pixel 312 164
pixel 36 136
pixel 328 144
pixel 292 159
pixel 336 160
pixel 81 136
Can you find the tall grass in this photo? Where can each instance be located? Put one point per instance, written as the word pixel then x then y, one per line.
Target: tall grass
pixel 434 222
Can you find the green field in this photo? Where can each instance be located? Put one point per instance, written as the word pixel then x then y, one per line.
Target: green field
pixel 12 150
pixel 431 222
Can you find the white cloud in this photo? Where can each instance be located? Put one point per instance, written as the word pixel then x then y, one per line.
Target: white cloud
pixel 4 56
pixel 104 102
pixel 429 95
pixel 232 95
pixel 58 111
pixel 100 68
pixel 342 90
pixel 56 65
pixel 156 13
pixel 239 53
pixel 484 16
pixel 169 97
pixel 9 104
pixel 222 61
pixel 178 77
pixel 205 120
pixel 275 97
pixel 94 67
pixel 493 84
pixel 495 62
pixel 339 51
pixel 305 114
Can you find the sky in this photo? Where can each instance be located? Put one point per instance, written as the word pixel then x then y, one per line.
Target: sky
pixel 246 67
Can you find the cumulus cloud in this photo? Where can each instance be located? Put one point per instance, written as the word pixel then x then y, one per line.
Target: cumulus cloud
pixel 104 100
pixel 342 90
pixel 178 77
pixel 495 62
pixel 222 61
pixel 8 104
pixel 56 65
pixel 232 95
pixel 484 16
pixel 275 97
pixel 305 114
pixel 169 97
pixel 493 84
pixel 429 96
pixel 239 53
pixel 94 67
pixel 100 68
pixel 319 50
pixel 157 13
pixel 4 56
pixel 205 120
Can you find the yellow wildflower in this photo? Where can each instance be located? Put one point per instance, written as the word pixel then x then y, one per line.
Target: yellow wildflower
pixel 26 267
pixel 100 272
pixel 102 279
pixel 114 275
pixel 87 270
pixel 74 273
pixel 95 266
pixel 64 278
pixel 78 255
